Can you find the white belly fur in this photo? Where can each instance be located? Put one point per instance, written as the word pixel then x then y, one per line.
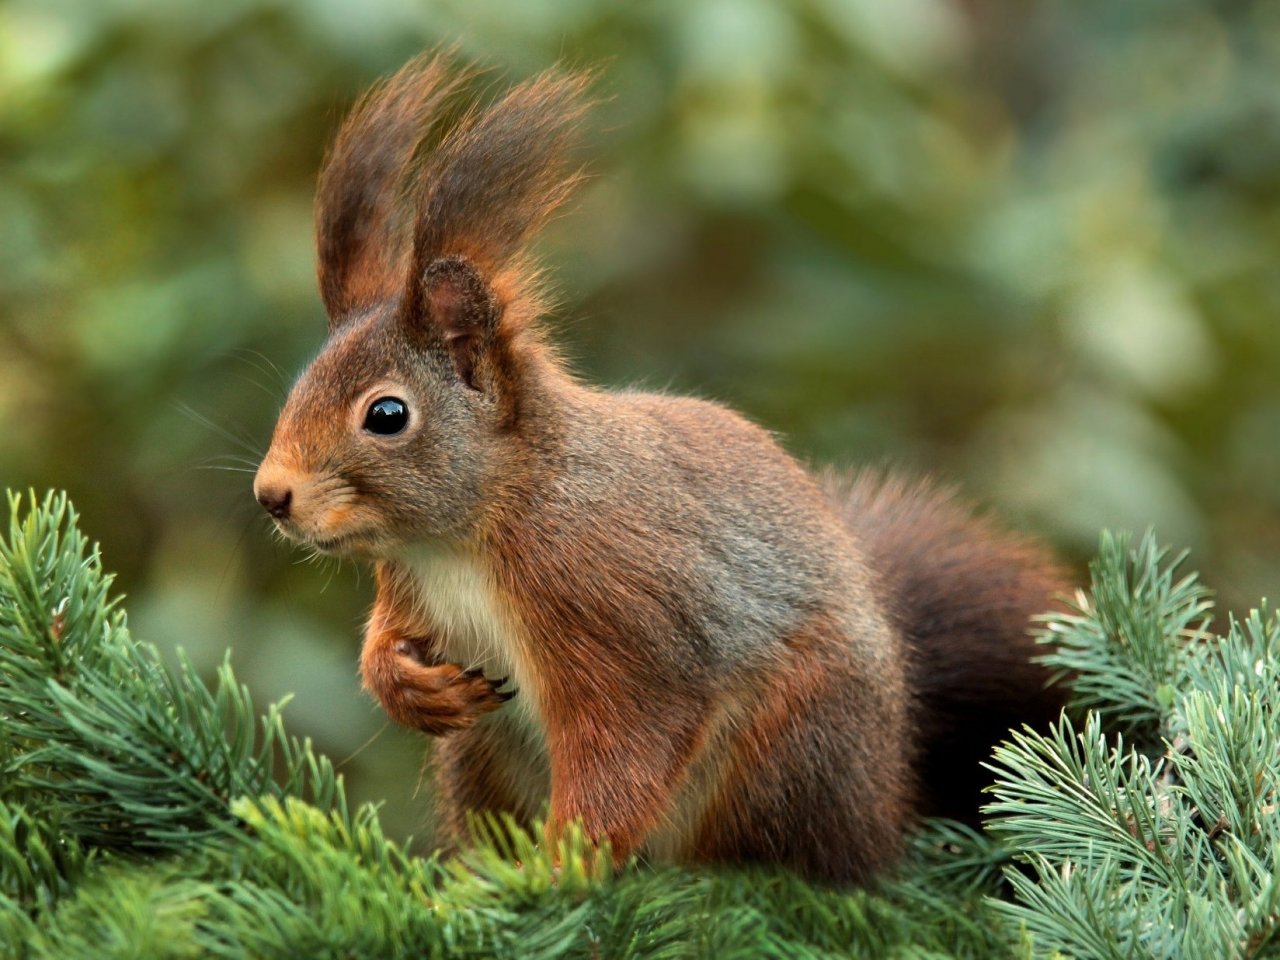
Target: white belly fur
pixel 457 595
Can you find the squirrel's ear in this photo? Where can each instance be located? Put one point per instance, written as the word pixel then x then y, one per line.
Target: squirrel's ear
pixel 457 312
pixel 472 287
pixel 363 219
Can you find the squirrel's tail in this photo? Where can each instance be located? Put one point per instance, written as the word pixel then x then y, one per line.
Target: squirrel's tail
pixel 962 592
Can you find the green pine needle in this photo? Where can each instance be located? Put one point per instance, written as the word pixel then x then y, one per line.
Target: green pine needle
pixel 1122 644
pixel 133 755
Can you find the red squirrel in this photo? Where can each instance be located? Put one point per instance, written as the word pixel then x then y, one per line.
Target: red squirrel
pixel 622 607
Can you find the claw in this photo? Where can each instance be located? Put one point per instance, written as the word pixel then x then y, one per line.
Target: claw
pixel 505 695
pixel 475 673
pixel 497 683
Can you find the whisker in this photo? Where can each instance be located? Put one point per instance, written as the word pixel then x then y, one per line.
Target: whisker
pixel 216 466
pixel 221 431
pixel 226 568
pixel 233 458
pixel 363 747
pixel 333 570
pixel 423 772
pixel 267 365
pixel 273 395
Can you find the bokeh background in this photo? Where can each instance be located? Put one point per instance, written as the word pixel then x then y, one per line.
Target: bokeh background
pixel 1032 247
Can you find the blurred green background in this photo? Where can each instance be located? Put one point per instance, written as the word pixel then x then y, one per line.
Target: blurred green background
pixel 1028 246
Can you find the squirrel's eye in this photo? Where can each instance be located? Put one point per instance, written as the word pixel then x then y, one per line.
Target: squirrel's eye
pixel 387 415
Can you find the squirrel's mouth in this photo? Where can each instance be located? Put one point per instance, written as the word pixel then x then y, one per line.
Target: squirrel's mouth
pixel 339 544
pixel 342 543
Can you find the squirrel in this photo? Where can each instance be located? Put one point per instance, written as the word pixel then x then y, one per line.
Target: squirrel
pixel 625 608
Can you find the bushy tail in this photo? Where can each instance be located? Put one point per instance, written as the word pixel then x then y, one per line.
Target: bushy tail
pixel 962 592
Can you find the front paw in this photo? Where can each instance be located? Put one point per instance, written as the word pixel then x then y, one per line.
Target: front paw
pixel 433 698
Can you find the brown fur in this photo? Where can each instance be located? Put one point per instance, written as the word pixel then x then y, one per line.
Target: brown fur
pixel 478 771
pixel 719 658
pixel 775 799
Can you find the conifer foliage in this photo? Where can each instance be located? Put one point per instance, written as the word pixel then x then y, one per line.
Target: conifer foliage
pixel 1151 827
pixel 146 814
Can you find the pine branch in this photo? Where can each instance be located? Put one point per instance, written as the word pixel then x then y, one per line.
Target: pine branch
pixel 131 754
pixel 1123 643
pixel 1125 854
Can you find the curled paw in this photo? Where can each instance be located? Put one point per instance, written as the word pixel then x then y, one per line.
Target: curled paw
pixel 434 698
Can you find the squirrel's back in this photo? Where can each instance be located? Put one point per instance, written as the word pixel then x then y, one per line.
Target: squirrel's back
pixel 959 590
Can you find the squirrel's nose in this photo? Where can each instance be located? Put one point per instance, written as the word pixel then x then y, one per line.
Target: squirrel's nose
pixel 276 501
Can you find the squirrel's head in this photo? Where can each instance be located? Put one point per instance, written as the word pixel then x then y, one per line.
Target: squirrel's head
pixel 406 425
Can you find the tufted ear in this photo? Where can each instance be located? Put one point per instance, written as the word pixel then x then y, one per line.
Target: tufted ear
pixel 472 290
pixel 364 217
pixel 460 315
pixel 411 185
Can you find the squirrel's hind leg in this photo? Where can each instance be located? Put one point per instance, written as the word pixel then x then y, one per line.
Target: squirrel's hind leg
pixel 818 777
pixel 495 767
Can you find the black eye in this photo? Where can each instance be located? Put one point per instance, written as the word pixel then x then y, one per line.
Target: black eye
pixel 386 416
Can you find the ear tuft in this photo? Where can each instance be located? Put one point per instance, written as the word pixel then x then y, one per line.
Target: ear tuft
pixel 363 217
pixel 495 178
pixel 461 309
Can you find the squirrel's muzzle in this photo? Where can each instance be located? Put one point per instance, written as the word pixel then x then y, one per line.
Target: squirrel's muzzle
pixel 319 510
pixel 275 500
pixel 273 487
